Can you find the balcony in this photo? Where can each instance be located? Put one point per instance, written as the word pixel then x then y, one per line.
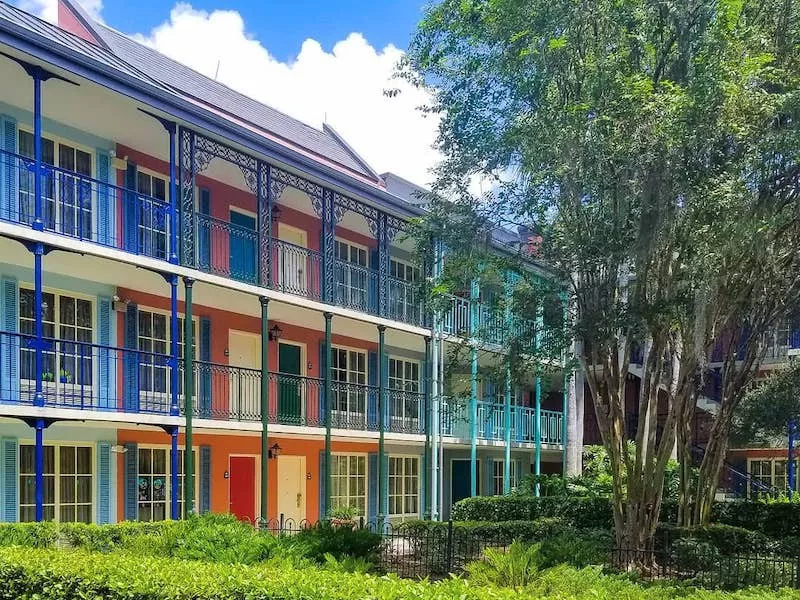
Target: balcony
pixel 492 426
pixel 86 376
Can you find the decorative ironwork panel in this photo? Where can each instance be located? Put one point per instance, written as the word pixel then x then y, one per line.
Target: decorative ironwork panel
pixel 304 185
pixel 394 226
pixel 186 159
pixel 329 237
pixel 383 265
pixel 207 148
pixel 344 203
pixel 265 200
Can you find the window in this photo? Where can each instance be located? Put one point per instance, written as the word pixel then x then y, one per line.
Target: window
pixel 403 303
pixel 351 275
pixel 153 486
pixel 769 476
pixel 67 205
pixel 68 483
pixel 404 486
pixel 403 403
pixel 67 364
pixel 349 371
pixel 154 343
pixel 152 215
pixel 499 473
pixel 349 482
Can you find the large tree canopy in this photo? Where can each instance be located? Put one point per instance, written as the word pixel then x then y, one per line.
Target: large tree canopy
pixel 654 144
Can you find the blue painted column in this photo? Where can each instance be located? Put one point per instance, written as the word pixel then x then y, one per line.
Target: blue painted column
pixel 174 334
pixel 791 466
pixel 188 394
pixel 173 196
pixel 39 466
pixel 383 500
pixel 173 474
pixel 537 464
pixel 38 223
pixel 38 308
pixel 473 396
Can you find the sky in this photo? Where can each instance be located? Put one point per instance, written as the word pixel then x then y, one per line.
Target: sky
pixel 317 61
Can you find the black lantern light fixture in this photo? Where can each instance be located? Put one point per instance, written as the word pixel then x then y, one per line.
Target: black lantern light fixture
pixel 275 333
pixel 274 451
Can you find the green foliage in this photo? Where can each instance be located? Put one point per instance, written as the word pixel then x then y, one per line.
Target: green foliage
pixel 584 513
pixel 577 548
pixel 777 520
pixel 516 567
pixel 315 543
pixel 501 531
pixel 761 418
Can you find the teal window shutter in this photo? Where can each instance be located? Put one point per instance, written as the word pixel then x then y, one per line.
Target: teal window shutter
pixel 106 373
pixel 103 483
pixel 205 479
pixel 9 344
pixel 422 503
pixel 131 481
pixel 372 487
pixel 9 169
pixel 323 509
pixel 105 198
pixel 9 465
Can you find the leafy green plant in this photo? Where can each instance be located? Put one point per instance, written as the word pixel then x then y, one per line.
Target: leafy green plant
pixel 339 542
pixel 514 567
pixel 577 548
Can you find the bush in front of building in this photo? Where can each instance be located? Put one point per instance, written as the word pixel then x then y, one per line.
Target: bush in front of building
pixel 583 513
pixel 777 520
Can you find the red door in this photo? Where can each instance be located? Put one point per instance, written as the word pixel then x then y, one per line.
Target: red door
pixel 242 487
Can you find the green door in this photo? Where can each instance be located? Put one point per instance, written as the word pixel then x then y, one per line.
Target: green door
pixel 290 391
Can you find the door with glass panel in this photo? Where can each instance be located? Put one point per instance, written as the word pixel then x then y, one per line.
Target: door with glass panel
pixel 403 304
pixel 152 217
pixel 293 267
pixel 349 371
pixel 352 275
pixel 404 389
pixel 245 376
pixel 67 365
pixel 67 205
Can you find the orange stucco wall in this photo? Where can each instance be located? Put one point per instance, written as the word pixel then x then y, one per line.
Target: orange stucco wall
pixel 223 446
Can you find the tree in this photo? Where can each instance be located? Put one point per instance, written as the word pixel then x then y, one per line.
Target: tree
pixel 654 144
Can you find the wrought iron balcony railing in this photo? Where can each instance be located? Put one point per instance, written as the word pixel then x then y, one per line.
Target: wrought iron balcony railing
pixel 226 249
pixel 296 270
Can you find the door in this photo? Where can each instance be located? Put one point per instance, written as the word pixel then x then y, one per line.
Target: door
pixel 243 245
pixel 291 489
pixel 244 357
pixel 290 390
pixel 242 487
pixel 461 480
pixel 292 260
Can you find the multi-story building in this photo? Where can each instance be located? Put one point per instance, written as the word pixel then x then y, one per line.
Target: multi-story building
pixel 183 267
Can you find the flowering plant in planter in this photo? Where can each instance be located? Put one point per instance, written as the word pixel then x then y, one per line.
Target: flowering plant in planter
pixel 344 516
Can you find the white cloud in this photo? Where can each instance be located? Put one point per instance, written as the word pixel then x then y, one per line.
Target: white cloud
pixel 343 87
pixel 48 9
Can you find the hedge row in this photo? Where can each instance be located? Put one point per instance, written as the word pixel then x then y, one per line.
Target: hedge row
pixel 777 520
pixel 77 575
pixel 487 531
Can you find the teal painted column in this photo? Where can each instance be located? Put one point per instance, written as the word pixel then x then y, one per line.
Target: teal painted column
pixel 383 500
pixel 507 410
pixel 328 406
pixel 473 397
pixel 426 412
pixel 264 408
pixel 188 395
pixel 537 464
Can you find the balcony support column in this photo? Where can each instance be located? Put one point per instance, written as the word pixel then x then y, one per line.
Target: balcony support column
pixel 173 195
pixel 38 309
pixel 507 411
pixel 328 246
pixel 174 334
pixel 383 500
pixel 425 508
pixel 38 223
pixel 537 457
pixel 328 388
pixel 264 407
pixel 473 397
pixel 188 394
pixel 792 474
pixel 264 202
pixel 186 158
pixel 173 475
pixel 383 265
pixel 39 427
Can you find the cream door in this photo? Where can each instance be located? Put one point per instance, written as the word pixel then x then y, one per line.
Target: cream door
pixel 292 489
pixel 244 353
pixel 292 260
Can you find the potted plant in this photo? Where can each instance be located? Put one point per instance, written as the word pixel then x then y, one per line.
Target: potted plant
pixel 64 377
pixel 344 516
pixel 47 376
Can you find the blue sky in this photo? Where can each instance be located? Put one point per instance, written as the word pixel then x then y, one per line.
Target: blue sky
pixel 283 25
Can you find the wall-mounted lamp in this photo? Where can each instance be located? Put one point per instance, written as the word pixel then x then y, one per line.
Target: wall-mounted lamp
pixel 276 212
pixel 274 451
pixel 309 366
pixel 227 352
pixel 274 333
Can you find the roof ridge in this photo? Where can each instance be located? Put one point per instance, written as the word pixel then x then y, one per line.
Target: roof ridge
pixel 350 150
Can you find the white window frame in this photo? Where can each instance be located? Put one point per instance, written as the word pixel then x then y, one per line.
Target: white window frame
pixel 355 391
pixel 167 475
pixel 356 295
pixel 774 480
pixel 408 416
pixel 498 472
pixel 402 481
pixel 336 499
pixel 58 141
pixel 146 233
pixel 403 297
pixel 57 478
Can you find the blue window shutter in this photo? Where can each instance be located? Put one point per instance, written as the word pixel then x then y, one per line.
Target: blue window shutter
pixel 131 210
pixel 105 198
pixel 205 479
pixel 9 167
pixel 385 500
pixel 131 481
pixel 372 487
pixel 323 509
pixel 103 483
pixel 105 370
pixel 373 281
pixel 131 359
pixel 205 377
pixel 204 231
pixel 9 465
pixel 372 392
pixel 323 401
pixel 9 344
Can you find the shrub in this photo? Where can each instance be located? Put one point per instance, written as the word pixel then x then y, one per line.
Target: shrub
pixel 694 556
pixel 577 548
pixel 515 567
pixel 726 538
pixel 592 513
pixel 502 531
pixel 340 542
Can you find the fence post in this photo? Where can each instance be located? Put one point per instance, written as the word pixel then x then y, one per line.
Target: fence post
pixel 280 525
pixel 450 546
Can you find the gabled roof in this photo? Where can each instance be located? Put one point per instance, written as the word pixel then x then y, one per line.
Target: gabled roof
pixel 325 144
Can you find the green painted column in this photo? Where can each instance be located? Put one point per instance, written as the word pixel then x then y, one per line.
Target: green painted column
pixel 537 465
pixel 328 385
pixel 264 408
pixel 426 400
pixel 188 396
pixel 383 502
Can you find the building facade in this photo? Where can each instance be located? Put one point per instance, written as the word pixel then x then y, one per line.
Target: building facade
pixel 206 305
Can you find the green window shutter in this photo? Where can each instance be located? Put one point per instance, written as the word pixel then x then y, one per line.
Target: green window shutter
pixel 9 478
pixel 103 483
